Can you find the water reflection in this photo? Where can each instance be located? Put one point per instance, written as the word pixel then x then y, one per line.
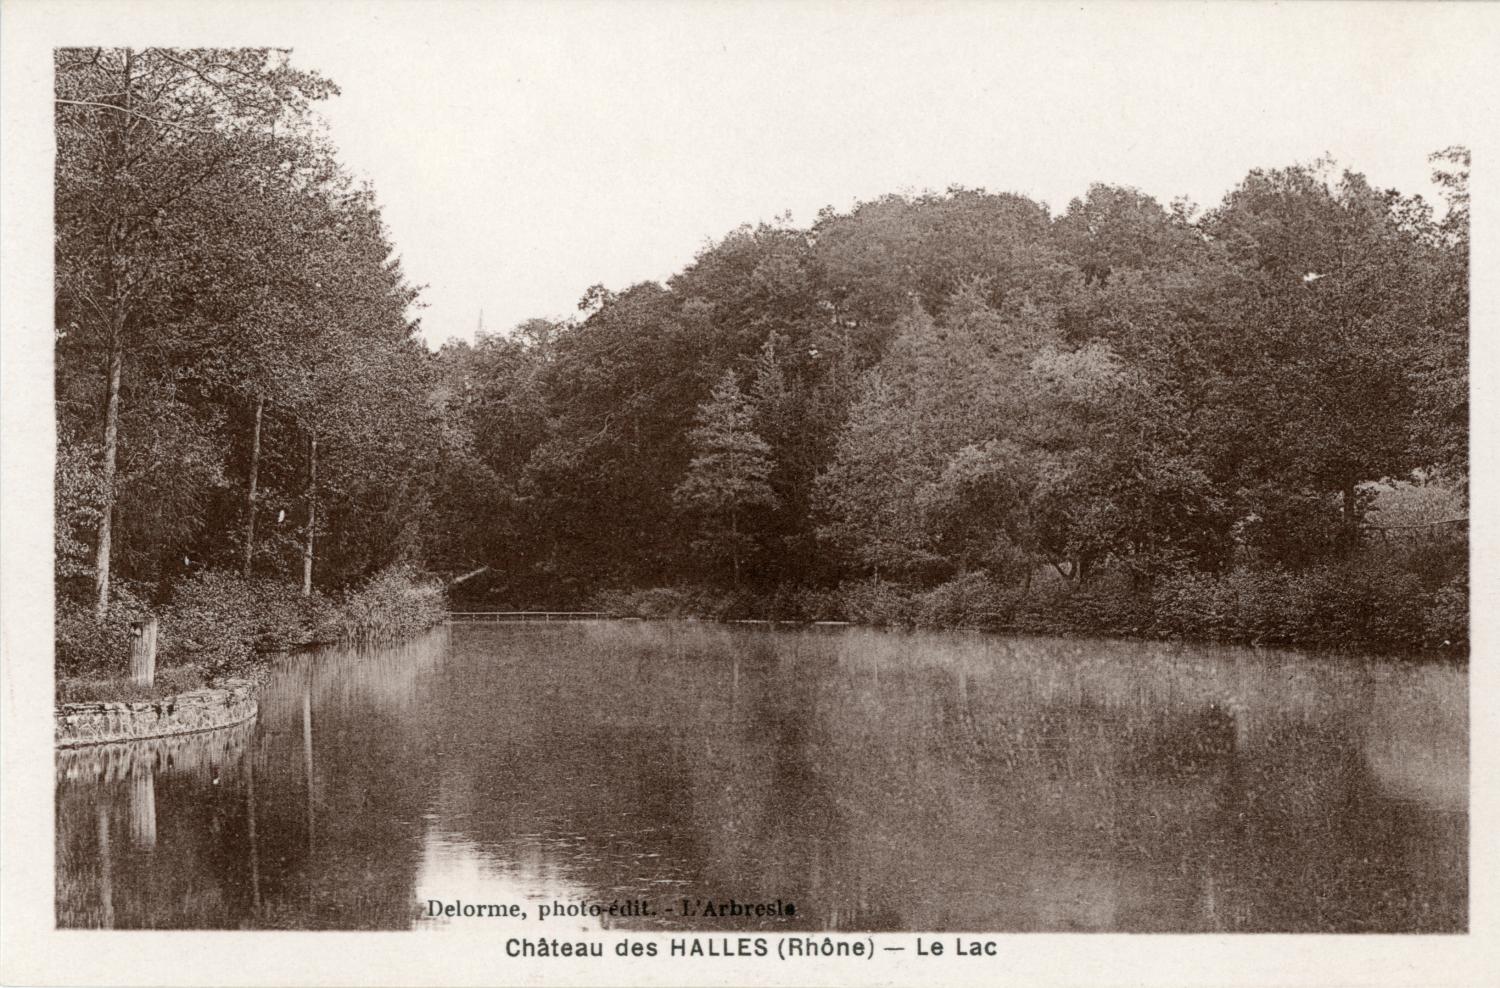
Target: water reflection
pixel 879 781
pixel 458 870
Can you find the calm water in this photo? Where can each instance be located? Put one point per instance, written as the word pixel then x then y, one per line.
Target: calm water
pixel 878 781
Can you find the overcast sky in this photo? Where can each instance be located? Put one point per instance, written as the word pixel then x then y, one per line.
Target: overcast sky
pixel 523 153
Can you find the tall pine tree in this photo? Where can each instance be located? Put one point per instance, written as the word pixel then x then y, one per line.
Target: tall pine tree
pixel 728 479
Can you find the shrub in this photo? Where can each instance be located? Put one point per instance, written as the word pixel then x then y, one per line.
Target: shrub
pixel 96 650
pixel 659 602
pixel 218 621
pixel 1362 601
pixel 877 602
pixel 613 601
pixel 392 603
pixel 1447 617
pixel 786 604
pixel 973 600
pixel 818 604
pixel 1109 604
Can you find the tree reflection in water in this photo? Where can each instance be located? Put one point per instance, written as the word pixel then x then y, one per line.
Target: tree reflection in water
pixel 881 781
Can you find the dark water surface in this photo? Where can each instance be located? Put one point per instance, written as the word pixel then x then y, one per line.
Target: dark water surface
pixel 879 781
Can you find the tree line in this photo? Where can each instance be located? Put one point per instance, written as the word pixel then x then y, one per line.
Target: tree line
pixel 932 390
pixel 236 359
pixel 957 393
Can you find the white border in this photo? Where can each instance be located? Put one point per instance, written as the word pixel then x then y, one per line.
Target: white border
pixel 32 952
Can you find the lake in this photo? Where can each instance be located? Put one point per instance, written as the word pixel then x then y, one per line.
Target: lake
pixel 871 780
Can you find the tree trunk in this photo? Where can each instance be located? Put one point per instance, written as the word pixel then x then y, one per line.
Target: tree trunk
pixel 250 491
pixel 119 141
pixel 1351 516
pixel 312 513
pixel 111 446
pixel 734 544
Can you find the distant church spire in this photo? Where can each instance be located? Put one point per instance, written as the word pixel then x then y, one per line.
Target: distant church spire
pixel 479 331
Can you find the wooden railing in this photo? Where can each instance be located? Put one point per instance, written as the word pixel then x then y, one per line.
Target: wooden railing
pixel 481 617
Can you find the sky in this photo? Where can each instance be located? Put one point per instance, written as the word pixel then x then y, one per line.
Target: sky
pixel 524 153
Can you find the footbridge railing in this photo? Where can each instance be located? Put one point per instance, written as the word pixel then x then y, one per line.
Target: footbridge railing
pixel 484 617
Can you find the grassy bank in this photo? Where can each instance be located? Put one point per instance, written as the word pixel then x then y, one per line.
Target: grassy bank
pixel 218 625
pixel 1375 600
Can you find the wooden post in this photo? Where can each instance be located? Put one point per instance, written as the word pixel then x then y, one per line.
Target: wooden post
pixel 143 651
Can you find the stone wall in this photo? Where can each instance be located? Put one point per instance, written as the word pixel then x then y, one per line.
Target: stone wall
pixel 186 713
pixel 206 754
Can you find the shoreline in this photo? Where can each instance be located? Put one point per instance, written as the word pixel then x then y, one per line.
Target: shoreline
pixel 92 723
pixel 87 724
pixel 1457 655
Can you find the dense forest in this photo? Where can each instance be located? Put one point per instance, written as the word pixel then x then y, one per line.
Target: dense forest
pixel 951 409
pixel 959 409
pixel 239 380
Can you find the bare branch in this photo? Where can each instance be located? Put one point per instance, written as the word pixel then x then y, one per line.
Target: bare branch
pixel 216 86
pixel 121 109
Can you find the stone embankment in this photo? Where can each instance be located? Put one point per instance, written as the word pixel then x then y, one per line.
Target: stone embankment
pixel 232 702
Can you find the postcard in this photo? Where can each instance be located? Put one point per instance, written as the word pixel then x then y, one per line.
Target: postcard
pixel 747 493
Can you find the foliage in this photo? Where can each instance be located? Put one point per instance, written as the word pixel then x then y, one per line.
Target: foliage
pixel 917 411
pixel 1359 602
pixel 391 604
pixel 78 490
pixel 953 397
pixel 656 602
pixel 728 479
pixel 88 648
pixel 1448 614
pixel 1111 604
pixel 973 600
pixel 878 602
pixel 167 683
pixel 218 621
pixel 229 307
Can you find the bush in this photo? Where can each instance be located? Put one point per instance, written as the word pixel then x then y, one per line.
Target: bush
pixel 794 602
pixel 1109 604
pixel 218 621
pixel 1362 601
pixel 973 600
pixel 391 604
pixel 96 650
pixel 655 603
pixel 817 604
pixel 877 602
pixel 1447 616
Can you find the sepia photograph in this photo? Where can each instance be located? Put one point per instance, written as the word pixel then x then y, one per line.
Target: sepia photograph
pixel 647 493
